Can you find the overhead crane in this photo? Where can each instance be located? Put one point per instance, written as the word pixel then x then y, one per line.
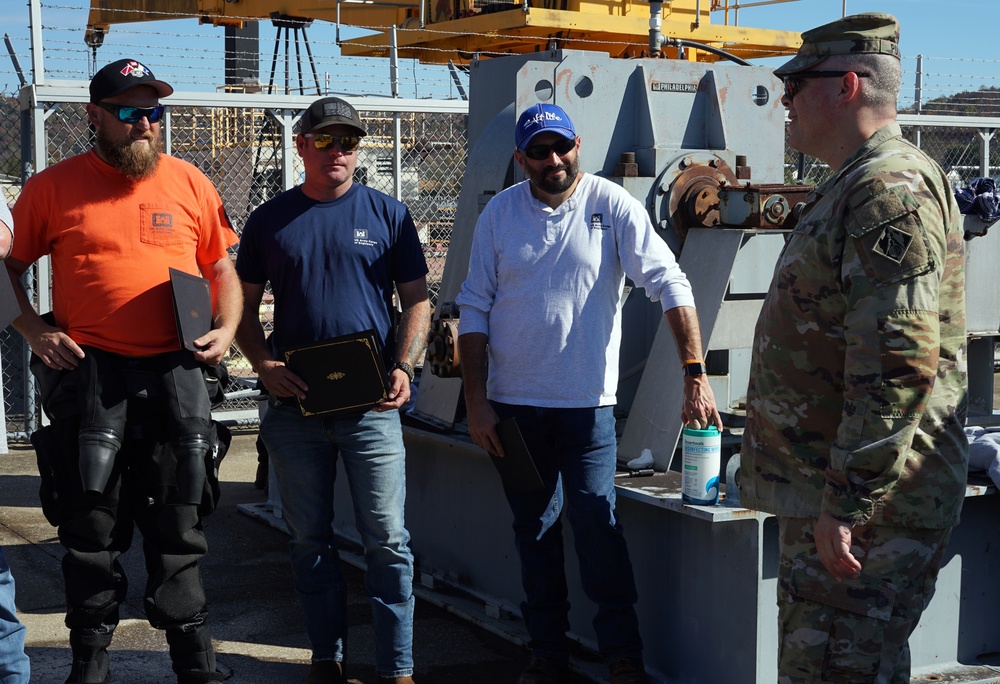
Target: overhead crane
pixel 699 141
pixel 439 31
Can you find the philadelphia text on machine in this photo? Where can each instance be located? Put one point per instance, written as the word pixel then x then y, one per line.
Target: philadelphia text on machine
pixel 699 139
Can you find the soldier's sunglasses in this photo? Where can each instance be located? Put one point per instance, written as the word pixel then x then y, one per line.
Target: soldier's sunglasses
pixel 539 152
pixel 134 114
pixel 347 143
pixel 794 82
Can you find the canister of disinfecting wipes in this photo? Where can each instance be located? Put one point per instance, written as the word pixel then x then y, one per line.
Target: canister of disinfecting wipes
pixel 701 454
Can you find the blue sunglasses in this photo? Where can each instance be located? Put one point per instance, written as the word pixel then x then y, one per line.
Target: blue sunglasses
pixel 134 114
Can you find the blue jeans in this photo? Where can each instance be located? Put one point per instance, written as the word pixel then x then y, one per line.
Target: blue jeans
pixel 14 665
pixel 304 452
pixel 575 452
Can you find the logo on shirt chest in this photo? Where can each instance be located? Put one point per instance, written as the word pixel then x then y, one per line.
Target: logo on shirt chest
pixel 597 222
pixel 161 223
pixel 361 238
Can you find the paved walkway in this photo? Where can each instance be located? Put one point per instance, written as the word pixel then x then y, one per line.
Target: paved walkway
pixel 255 619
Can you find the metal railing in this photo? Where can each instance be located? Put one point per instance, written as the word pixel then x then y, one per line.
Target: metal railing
pixel 416 152
pixel 245 144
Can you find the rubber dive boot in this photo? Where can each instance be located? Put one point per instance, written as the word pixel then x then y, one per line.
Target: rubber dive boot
pixel 91 663
pixel 192 656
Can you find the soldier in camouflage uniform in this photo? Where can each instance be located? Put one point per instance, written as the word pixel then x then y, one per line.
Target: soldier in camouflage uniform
pixel 856 404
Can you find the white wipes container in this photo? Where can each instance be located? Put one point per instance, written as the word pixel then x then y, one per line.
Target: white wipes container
pixel 700 468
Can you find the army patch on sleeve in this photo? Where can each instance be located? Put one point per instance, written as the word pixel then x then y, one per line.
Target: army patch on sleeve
pixel 893 244
pixel 889 236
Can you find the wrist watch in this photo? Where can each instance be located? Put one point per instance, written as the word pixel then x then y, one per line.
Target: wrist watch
pixel 406 368
pixel 694 368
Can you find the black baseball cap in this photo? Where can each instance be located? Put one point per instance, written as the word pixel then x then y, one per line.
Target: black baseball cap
pixel 117 77
pixel 329 111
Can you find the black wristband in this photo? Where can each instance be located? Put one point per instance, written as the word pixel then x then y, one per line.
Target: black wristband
pixel 695 369
pixel 406 368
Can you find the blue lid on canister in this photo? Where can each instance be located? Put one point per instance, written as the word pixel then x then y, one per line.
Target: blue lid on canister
pixel 710 431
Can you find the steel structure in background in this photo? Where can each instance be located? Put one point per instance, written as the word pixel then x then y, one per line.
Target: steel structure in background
pixel 701 147
pixel 461 29
pixel 700 144
pixel 244 142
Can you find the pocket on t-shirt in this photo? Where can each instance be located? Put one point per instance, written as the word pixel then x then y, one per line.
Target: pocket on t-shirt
pixel 162 224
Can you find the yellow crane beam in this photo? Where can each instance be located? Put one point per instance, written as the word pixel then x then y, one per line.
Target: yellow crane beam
pixel 105 13
pixel 516 31
pixel 458 29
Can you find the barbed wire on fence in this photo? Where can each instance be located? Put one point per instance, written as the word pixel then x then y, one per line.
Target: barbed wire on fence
pixel 192 56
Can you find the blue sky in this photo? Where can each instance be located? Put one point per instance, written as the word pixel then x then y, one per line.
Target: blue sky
pixel 959 28
pixel 958 40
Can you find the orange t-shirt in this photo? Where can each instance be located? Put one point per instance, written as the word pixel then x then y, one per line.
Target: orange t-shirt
pixel 112 242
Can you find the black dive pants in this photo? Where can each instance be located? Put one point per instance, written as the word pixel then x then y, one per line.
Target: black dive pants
pixel 109 383
pixel 96 529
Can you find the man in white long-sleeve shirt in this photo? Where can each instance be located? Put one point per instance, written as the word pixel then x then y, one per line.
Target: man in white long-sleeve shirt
pixel 543 294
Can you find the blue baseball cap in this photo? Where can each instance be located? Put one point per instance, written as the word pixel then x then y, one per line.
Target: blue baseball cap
pixel 540 118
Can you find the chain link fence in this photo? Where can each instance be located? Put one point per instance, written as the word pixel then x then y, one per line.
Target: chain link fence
pixel 241 150
pixel 417 156
pixel 12 347
pixel 960 151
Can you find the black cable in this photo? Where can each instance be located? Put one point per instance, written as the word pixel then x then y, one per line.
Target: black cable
pixel 681 42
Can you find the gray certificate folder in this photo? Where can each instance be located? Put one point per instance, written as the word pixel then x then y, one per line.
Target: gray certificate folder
pixel 9 308
pixel 517 467
pixel 345 374
pixel 192 306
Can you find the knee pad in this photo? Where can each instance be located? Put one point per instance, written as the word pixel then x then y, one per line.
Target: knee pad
pixel 190 451
pixel 98 448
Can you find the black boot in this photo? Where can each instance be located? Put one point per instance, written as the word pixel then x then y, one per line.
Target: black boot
pixel 91 664
pixel 192 655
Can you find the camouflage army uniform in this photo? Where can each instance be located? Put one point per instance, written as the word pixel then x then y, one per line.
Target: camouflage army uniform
pixel 856 407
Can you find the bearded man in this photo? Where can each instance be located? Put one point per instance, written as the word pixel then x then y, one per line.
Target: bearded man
pixel 131 438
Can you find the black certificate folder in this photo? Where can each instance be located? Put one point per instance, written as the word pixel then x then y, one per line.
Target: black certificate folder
pixel 517 467
pixel 345 374
pixel 192 307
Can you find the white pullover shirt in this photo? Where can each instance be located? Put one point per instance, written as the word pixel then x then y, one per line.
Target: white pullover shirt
pixel 546 287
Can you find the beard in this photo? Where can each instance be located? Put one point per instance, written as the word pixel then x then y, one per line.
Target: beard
pixel 136 162
pixel 549 184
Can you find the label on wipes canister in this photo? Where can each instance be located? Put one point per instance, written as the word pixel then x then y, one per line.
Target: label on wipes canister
pixel 701 461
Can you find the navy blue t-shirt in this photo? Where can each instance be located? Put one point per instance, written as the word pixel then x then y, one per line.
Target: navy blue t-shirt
pixel 331 265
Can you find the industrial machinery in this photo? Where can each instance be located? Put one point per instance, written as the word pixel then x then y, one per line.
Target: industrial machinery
pixel 701 145
pixel 461 30
pixel 699 141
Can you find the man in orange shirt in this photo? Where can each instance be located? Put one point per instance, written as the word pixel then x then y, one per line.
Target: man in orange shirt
pixel 131 439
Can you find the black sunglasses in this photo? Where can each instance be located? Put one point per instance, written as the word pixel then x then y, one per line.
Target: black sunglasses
pixel 794 82
pixel 134 114
pixel 539 152
pixel 347 143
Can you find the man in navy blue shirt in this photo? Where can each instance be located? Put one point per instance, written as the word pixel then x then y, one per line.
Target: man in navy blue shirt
pixel 334 251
